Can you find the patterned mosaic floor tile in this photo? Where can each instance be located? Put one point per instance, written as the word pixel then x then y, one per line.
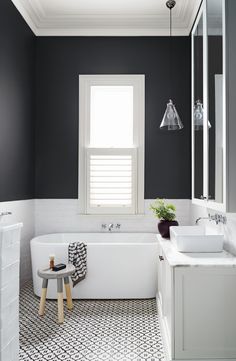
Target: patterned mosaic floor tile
pixel 106 330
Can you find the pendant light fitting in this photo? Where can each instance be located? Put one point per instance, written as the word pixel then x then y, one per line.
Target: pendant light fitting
pixel 171 119
pixel 170 4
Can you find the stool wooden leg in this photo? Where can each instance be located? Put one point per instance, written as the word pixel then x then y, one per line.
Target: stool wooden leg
pixel 68 293
pixel 43 297
pixel 60 300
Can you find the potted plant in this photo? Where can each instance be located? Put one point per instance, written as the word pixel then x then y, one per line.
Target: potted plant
pixel 165 212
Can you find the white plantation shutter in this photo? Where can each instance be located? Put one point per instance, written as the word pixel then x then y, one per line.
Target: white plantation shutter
pixel 111 180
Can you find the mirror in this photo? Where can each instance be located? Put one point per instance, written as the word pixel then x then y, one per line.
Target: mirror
pixel 198 107
pixel 215 98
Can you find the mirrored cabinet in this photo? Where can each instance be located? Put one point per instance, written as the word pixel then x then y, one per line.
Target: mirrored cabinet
pixel 197 107
pixel 213 167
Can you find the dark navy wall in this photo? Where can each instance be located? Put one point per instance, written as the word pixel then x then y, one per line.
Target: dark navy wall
pixel 60 60
pixel 17 74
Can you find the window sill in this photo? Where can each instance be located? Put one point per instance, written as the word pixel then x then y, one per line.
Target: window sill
pixel 120 216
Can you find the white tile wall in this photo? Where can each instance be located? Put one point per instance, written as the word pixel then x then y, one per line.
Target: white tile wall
pixel 61 215
pixel 42 216
pixel 22 211
pixel 229 229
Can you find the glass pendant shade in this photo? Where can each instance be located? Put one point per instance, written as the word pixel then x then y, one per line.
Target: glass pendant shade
pixel 171 119
pixel 198 116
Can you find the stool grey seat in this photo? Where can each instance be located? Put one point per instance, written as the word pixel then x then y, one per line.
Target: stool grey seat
pixel 48 274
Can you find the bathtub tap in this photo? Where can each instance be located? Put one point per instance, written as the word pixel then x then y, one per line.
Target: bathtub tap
pixel 5 214
pixel 104 226
pixel 111 225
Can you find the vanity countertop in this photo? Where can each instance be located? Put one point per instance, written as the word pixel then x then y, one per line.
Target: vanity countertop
pixel 178 259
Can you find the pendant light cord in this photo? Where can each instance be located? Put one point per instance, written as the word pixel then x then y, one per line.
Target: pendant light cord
pixel 197 95
pixel 171 76
pixel 170 5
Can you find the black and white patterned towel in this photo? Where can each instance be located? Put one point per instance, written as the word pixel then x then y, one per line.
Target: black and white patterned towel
pixel 77 255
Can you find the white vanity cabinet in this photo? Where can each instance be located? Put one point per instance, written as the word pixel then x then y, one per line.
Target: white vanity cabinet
pixel 197 304
pixel 9 291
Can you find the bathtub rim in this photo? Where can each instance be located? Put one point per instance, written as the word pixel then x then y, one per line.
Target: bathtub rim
pixel 41 239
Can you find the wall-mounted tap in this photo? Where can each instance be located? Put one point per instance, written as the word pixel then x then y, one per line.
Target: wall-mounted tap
pixel 5 214
pixel 110 227
pixel 201 218
pixel 217 218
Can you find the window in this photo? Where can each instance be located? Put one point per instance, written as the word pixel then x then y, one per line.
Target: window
pixel 111 144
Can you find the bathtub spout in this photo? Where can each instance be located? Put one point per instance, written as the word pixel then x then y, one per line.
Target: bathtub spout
pixel 111 225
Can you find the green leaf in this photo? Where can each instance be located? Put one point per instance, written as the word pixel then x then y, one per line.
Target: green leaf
pixel 162 210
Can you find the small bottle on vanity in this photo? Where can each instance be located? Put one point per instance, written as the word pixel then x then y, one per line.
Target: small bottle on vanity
pixel 51 261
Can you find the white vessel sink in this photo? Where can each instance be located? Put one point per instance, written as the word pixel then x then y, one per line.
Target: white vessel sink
pixel 196 239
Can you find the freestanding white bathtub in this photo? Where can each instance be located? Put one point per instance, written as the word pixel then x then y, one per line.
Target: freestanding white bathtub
pixel 119 265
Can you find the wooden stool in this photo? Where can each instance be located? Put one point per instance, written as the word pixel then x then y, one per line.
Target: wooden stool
pixel 59 276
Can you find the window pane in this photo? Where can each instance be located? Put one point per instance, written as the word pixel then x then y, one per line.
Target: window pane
pixel 111 116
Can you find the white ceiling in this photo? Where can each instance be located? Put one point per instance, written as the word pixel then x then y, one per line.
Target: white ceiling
pixel 107 17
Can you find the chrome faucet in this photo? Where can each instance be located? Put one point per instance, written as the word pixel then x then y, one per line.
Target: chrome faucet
pixel 110 227
pixel 5 214
pixel 218 218
pixel 200 218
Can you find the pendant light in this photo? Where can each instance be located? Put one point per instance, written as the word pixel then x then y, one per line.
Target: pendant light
pixel 171 119
pixel 198 115
pixel 198 112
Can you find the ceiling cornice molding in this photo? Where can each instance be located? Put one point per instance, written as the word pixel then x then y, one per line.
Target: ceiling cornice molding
pixel 36 9
pixel 107 24
pixel 25 14
pixel 192 16
pixel 107 32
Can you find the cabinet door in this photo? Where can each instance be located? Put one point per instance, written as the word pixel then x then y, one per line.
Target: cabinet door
pixel 159 274
pixel 205 317
pixel 165 295
pixel 216 114
pixel 209 149
pixel 197 108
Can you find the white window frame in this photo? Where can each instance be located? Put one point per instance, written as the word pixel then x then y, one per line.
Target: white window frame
pixel 85 83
